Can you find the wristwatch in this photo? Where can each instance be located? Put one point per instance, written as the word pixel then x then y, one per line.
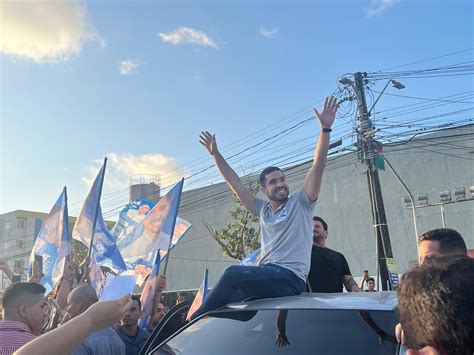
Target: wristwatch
pixel 327 130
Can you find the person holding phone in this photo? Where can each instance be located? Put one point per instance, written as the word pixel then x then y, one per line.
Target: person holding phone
pixel 370 281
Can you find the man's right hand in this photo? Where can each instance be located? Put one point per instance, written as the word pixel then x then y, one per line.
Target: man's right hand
pixel 399 333
pixel 161 283
pixel 208 140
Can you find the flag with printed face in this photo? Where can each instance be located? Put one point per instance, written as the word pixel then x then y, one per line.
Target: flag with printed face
pixel 153 232
pixel 104 247
pixel 53 243
pixel 148 295
pixel 130 216
pixel 200 296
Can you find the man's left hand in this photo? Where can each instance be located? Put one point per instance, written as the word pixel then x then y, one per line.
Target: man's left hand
pixel 328 114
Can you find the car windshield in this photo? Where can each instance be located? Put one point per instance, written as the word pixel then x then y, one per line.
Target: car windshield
pixel 287 332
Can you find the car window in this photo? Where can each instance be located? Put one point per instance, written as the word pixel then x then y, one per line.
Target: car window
pixel 287 332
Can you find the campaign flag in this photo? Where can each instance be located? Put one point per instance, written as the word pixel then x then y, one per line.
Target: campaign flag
pixel 103 243
pixel 252 259
pixel 200 296
pixel 96 277
pixel 53 243
pixel 154 232
pixel 148 295
pixel 132 214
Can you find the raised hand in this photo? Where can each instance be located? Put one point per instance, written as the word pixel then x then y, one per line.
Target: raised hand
pixel 328 113
pixel 208 140
pixel 36 277
pixel 70 271
pixel 107 313
pixel 161 283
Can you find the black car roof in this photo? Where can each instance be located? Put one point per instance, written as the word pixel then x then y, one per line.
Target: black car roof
pixel 371 301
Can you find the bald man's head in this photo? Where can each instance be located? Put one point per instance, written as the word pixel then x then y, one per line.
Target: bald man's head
pixel 79 300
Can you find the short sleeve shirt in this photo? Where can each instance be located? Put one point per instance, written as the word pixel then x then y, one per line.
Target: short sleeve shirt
pixel 286 234
pixel 105 342
pixel 328 268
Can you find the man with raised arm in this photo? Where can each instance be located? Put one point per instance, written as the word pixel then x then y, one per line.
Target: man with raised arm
pixel 285 221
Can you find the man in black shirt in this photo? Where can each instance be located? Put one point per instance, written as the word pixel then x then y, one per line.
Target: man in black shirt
pixel 329 269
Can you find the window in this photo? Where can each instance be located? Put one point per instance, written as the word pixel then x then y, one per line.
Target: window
pixel 18 265
pixel 19 244
pixel 7 226
pixel 20 223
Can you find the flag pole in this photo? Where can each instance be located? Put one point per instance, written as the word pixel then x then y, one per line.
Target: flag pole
pixel 172 233
pixel 97 207
pixel 66 213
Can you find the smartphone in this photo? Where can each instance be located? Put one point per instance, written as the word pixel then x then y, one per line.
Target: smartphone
pixel 38 265
pixel 79 273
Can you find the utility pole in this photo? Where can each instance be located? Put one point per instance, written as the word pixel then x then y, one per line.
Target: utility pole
pixel 367 147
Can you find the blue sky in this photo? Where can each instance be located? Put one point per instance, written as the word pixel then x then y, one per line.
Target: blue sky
pixel 137 81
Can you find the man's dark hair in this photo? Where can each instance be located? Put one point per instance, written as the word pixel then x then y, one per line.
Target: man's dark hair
pixel 436 305
pixel 20 293
pixel 322 221
pixel 450 241
pixel 137 298
pixel 263 175
pixel 370 279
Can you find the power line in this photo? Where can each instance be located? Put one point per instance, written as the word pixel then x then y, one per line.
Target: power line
pixel 425 99
pixel 428 59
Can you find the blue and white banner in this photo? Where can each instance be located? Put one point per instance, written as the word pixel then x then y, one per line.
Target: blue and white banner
pixel 104 246
pixel 200 296
pixel 155 231
pixel 53 243
pixel 148 295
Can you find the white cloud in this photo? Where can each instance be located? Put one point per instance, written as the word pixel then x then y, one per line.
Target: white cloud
pixel 127 67
pixel 120 167
pixel 378 6
pixel 188 35
pixel 268 32
pixel 44 31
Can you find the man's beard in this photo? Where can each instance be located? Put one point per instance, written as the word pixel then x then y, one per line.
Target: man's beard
pixel 318 238
pixel 274 196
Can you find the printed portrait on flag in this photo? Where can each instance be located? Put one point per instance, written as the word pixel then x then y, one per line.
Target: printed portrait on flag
pixel 139 245
pixel 103 246
pixel 130 216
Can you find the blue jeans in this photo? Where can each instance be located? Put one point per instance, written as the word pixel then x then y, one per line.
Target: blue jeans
pixel 238 283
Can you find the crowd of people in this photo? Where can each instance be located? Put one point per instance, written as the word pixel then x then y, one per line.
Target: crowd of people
pixel 436 298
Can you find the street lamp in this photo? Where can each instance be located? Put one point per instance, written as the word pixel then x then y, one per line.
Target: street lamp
pixel 396 84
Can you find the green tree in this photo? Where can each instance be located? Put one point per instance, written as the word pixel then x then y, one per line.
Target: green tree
pixel 80 251
pixel 241 236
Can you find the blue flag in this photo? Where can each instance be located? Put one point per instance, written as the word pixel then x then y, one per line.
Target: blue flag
pixel 53 243
pixel 153 232
pixel 200 296
pixel 148 295
pixel 103 243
